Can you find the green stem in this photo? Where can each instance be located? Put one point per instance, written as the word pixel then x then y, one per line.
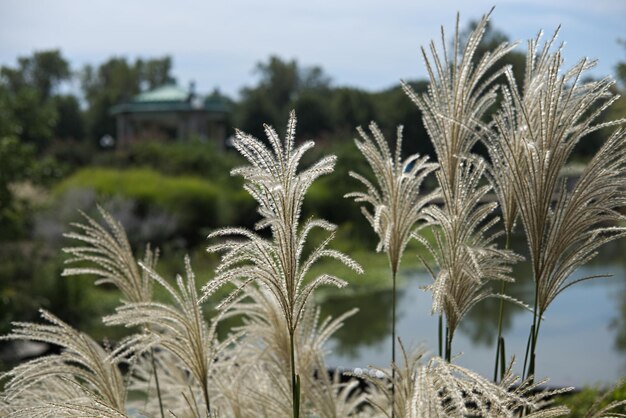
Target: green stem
pixel 448 345
pixel 440 335
pixel 205 393
pixel 500 314
pixel 156 379
pixel 295 381
pixel 502 358
pixel 533 351
pixel 534 332
pixel 499 339
pixel 393 345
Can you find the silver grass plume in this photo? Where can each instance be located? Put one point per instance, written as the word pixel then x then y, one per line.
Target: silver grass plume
pixel 395 198
pixel 615 409
pixel 266 344
pixel 179 328
pixel 459 94
pixel 181 395
pixel 565 234
pixel 443 389
pixel 106 253
pixel 438 388
pixel 464 249
pixel 398 401
pixel 56 396
pixel 277 264
pixel 83 377
pixel 74 408
pixel 564 228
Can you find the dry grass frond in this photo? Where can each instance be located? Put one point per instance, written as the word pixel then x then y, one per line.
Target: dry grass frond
pixel 528 394
pixel 110 258
pixel 395 199
pixel 74 408
pixel 536 131
pixel 461 392
pixel 267 344
pixel 179 328
pixel 55 396
pixel 274 181
pixel 83 366
pixel 437 388
pixel 609 411
pixel 458 95
pixel 179 390
pixel 381 396
pixel 464 249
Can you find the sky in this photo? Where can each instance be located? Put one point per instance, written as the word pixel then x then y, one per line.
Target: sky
pixel 370 44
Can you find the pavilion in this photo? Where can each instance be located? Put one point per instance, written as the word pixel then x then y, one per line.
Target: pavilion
pixel 171 112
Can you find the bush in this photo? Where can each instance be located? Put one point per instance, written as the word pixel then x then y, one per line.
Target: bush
pixel 194 201
pixel 203 159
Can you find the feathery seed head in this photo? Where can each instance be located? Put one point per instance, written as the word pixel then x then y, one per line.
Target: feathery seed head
pixel 277 264
pixel 395 199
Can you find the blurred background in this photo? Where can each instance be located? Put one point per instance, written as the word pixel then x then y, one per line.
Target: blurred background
pixel 132 105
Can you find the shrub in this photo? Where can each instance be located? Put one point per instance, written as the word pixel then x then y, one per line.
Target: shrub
pixel 195 203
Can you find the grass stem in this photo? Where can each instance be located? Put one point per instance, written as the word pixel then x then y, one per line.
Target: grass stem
pixel 156 380
pixel 393 345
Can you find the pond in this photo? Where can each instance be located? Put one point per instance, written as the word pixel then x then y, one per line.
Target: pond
pixel 582 339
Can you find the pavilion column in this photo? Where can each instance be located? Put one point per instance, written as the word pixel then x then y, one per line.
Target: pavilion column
pixel 122 129
pixel 181 128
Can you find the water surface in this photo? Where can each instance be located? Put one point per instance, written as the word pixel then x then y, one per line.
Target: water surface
pixel 582 339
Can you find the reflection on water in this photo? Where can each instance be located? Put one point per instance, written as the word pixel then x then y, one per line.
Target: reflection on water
pixel 582 341
pixel 353 336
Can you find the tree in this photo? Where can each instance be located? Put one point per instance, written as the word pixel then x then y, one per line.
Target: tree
pixel 70 123
pixel 394 108
pixel 16 160
pixel 44 72
pixel 117 80
pixel 280 86
pixel 154 72
pixel 314 118
pixel 26 96
pixel 351 108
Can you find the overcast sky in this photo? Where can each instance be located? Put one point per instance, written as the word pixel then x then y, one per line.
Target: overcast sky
pixel 363 43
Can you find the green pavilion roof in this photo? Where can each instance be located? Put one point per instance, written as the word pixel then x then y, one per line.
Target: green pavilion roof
pixel 172 98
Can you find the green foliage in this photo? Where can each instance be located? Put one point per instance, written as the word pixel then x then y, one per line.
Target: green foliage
pixel 16 160
pixel 44 71
pixel 197 158
pixel 351 107
pixel 581 402
pixel 70 122
pixel 316 118
pixel 324 197
pixel 31 279
pixel 196 205
pixel 280 86
pixel 620 68
pixel 26 92
pixel 27 116
pixel 115 81
pixel 194 201
pixel 393 108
